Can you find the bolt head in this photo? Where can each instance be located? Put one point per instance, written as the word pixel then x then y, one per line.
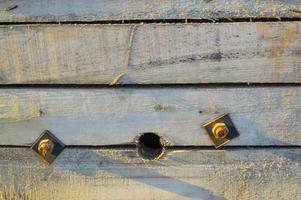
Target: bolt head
pixel 45 147
pixel 220 130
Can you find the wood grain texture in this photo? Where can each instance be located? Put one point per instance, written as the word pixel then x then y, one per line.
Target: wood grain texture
pixel 94 10
pixel 183 174
pixel 151 53
pixel 263 116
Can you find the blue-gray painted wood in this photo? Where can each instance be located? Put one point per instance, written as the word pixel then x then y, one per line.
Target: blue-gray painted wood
pixel 103 10
pixel 151 53
pixel 182 174
pixel 262 115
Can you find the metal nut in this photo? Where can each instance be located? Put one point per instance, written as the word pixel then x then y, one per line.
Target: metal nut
pixel 45 147
pixel 220 130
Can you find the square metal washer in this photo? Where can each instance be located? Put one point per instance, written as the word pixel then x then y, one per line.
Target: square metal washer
pixel 57 149
pixel 224 118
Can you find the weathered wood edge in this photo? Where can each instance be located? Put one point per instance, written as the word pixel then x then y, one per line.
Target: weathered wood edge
pixel 182 174
pixel 93 10
pixel 107 116
pixel 151 53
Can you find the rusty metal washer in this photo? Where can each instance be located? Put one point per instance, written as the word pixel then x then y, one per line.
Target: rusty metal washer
pixel 221 130
pixel 48 146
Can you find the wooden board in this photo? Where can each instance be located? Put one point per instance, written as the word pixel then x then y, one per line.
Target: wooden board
pixel 105 116
pixel 151 53
pixel 182 174
pixel 94 10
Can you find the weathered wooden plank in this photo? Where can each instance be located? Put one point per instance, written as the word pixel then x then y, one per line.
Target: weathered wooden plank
pixel 94 10
pixel 182 174
pixel 263 115
pixel 150 53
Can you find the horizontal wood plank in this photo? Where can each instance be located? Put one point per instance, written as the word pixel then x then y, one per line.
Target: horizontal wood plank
pixel 103 10
pixel 262 115
pixel 183 174
pixel 151 53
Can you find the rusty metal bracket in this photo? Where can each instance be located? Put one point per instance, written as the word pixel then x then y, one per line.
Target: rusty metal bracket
pixel 221 130
pixel 48 146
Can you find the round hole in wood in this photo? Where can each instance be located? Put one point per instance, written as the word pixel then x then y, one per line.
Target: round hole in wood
pixel 150 146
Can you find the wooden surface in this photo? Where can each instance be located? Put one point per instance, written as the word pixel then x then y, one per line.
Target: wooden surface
pixel 105 116
pixel 182 174
pixel 94 10
pixel 151 53
pixel 136 43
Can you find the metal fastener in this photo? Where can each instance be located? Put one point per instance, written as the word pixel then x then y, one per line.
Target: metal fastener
pixel 221 130
pixel 45 147
pixel 48 146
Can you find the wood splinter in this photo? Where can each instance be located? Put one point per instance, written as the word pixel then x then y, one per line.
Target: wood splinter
pixel 117 79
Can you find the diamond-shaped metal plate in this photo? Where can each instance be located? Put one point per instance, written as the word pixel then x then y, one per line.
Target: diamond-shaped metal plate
pixel 224 118
pixel 57 148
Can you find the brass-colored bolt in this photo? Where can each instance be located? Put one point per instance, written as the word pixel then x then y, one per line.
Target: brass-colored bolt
pixel 220 130
pixel 45 147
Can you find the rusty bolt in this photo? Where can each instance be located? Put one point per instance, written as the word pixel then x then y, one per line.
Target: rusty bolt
pixel 45 147
pixel 220 130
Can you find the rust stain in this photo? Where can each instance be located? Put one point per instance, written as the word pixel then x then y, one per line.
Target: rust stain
pixel 286 37
pixel 263 31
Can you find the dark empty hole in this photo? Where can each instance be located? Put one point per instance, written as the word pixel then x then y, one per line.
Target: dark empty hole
pixel 150 146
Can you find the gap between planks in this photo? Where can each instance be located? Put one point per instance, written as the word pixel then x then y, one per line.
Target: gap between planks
pixel 115 84
pixel 169 148
pixel 163 21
